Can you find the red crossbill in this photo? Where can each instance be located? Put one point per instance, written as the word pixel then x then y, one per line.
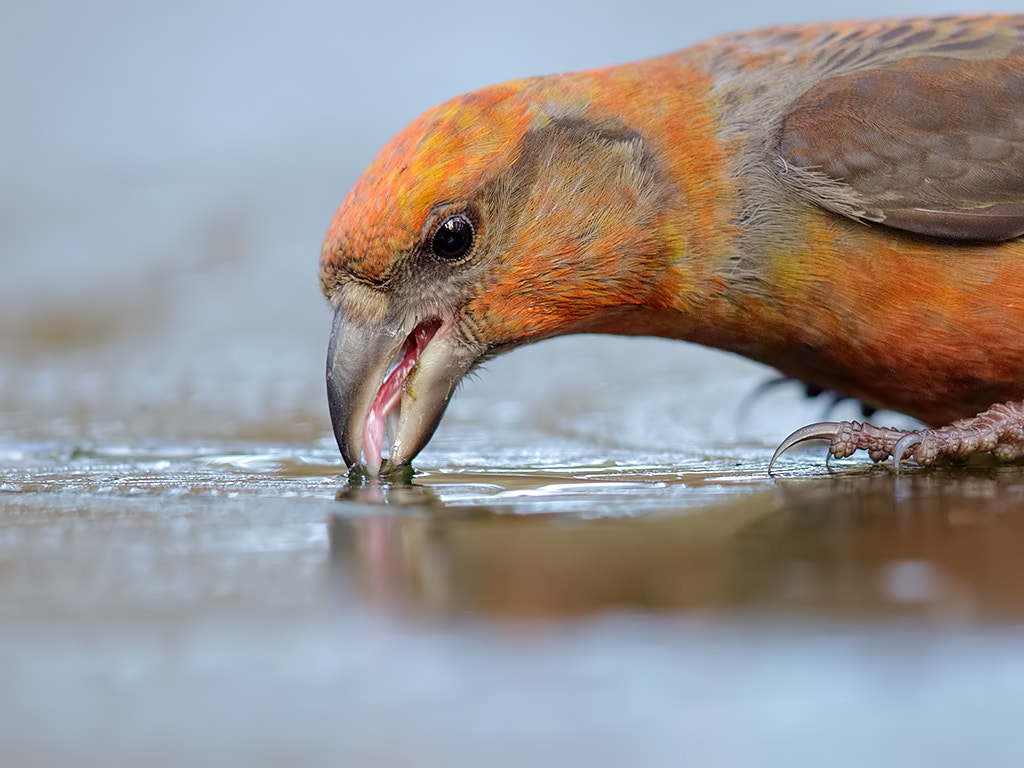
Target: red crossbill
pixel 843 202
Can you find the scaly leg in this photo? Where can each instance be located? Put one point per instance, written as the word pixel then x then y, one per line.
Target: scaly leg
pixel 999 430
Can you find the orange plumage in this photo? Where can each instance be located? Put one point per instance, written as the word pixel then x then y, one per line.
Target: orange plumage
pixel 783 194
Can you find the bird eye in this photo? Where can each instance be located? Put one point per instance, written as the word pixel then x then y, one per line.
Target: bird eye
pixel 454 238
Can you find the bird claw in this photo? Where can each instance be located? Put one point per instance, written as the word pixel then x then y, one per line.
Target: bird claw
pixel 999 430
pixel 903 445
pixel 845 438
pixel 822 430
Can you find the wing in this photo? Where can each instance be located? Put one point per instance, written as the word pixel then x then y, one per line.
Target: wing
pixel 932 144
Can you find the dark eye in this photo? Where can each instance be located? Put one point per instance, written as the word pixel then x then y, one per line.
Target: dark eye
pixel 454 238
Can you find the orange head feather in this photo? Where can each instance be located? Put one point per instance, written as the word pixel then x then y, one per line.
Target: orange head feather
pixel 441 157
pixel 575 200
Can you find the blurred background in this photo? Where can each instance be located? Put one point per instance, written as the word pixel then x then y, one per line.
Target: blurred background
pixel 167 174
pixel 592 567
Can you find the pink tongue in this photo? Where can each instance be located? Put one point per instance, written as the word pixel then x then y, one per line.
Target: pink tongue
pixel 390 393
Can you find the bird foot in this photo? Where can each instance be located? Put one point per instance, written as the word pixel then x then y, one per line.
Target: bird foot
pixel 999 431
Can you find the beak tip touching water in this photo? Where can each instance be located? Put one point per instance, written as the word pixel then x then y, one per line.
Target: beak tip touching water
pixel 371 368
pixel 347 384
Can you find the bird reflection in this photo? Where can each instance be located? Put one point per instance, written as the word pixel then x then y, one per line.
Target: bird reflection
pixel 933 544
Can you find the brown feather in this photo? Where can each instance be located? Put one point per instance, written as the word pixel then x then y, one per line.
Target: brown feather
pixel 930 145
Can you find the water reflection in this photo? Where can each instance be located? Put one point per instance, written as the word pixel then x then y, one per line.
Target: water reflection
pixel 937 545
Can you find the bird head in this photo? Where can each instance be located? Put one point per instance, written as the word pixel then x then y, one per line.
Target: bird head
pixel 500 218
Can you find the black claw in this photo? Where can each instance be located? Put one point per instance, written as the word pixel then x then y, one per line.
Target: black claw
pixel 759 391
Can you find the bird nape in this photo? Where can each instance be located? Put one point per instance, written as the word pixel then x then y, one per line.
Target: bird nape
pixel 843 202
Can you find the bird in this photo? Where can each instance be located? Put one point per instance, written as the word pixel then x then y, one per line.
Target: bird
pixel 843 202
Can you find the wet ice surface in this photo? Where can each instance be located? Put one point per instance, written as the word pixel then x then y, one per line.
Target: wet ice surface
pixel 213 605
pixel 590 566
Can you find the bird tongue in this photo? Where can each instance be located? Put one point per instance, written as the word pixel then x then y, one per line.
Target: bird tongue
pixel 390 392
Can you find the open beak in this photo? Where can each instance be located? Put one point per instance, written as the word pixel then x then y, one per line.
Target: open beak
pixel 373 369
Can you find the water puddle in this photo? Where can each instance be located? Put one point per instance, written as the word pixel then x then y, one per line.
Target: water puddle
pixel 160 589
